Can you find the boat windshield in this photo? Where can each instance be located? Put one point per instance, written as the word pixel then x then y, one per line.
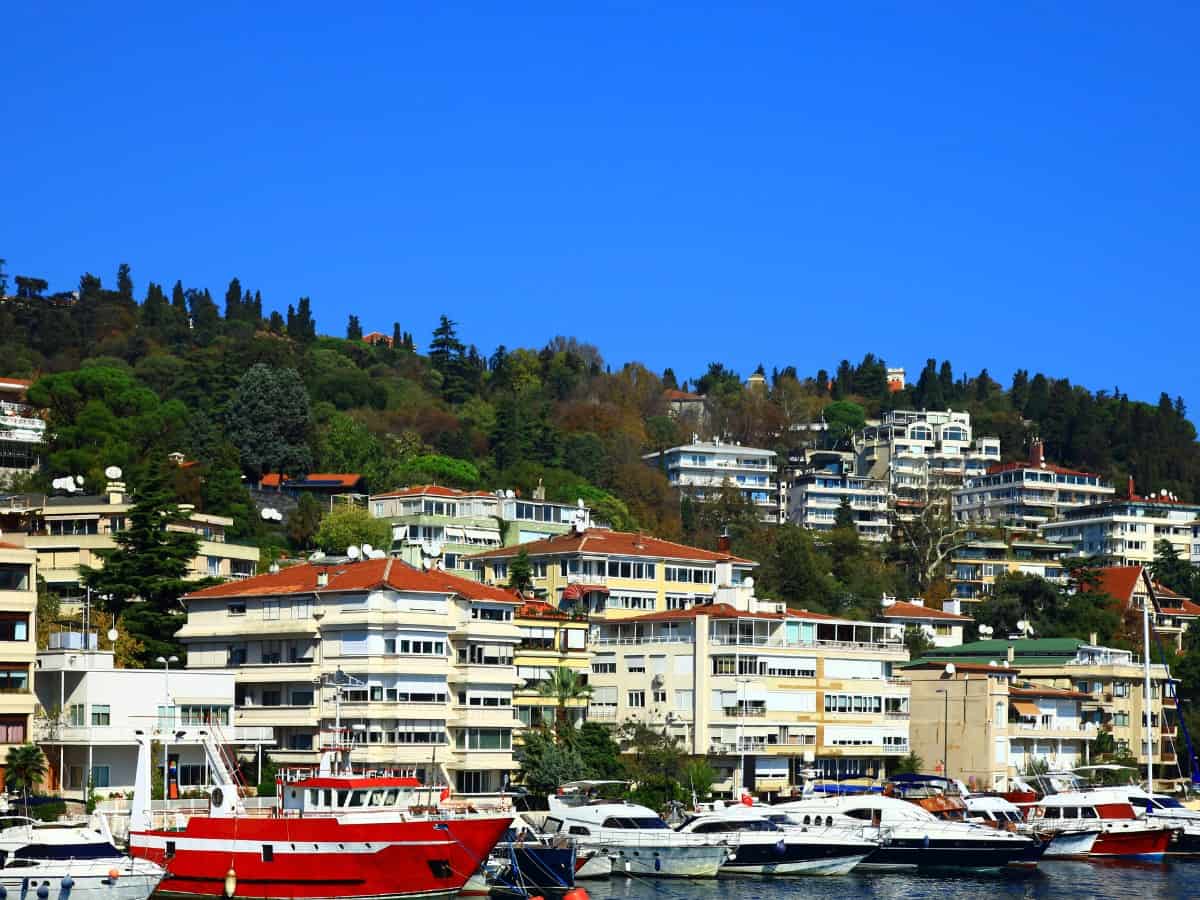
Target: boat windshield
pixel 634 822
pixel 1168 803
pixel 727 825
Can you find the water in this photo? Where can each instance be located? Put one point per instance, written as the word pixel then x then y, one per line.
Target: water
pixel 1076 880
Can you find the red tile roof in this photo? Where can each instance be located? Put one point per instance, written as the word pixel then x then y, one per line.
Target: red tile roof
pixel 904 610
pixel 673 394
pixel 1118 581
pixel 1033 690
pixel 24 382
pixel 365 575
pixel 342 479
pixel 430 490
pixel 614 543
pixel 1040 467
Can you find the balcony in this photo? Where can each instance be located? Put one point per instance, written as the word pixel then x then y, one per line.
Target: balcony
pixel 753 712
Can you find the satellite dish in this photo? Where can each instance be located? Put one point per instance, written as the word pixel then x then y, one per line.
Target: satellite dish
pixel 269 514
pixel 367 549
pixel 112 635
pixel 748 582
pixel 112 473
pixel 79 480
pixel 435 549
pixel 353 552
pixel 949 668
pixel 509 494
pixel 1163 492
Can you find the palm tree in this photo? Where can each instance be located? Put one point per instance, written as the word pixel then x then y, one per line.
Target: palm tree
pixel 24 768
pixel 564 684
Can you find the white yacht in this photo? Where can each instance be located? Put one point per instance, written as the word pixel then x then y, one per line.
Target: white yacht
pixel 766 848
pixel 1163 808
pixel 910 836
pixel 76 859
pixel 636 838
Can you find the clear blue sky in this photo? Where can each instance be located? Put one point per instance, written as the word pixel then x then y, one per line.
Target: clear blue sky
pixel 1006 187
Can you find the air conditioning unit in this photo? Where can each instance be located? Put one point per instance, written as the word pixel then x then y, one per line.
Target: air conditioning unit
pixel 657 681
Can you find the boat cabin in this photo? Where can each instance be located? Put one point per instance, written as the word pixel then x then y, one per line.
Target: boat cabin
pixel 326 796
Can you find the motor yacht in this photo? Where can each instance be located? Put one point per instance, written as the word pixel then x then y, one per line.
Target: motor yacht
pixel 766 848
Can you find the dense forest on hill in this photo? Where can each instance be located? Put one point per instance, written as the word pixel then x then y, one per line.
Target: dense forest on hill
pixel 244 389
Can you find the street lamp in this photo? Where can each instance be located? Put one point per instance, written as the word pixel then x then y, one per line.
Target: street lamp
pixel 165 662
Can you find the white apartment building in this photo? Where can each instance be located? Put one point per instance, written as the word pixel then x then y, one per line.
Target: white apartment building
pixel 825 479
pixel 442 526
pixel 919 451
pixel 91 711
pixel 428 656
pixel 700 470
pixel 1028 493
pixel 1124 531
pixel 762 692
pixel 22 430
pixel 943 627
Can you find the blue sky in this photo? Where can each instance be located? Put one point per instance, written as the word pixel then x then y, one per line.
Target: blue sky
pixel 1006 186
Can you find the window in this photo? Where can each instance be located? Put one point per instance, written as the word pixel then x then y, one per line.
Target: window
pixel 723 665
pixel 683 699
pixel 300 742
pixel 660 697
pixel 270 609
pixel 12 730
pixel 635 664
pixel 208 714
pixel 484 739
pixel 100 776
pixel 214 566
pixel 302 608
pixel 491 614
pixel 637 699
pixel 302 698
pixel 1121 689
pixel 14 626
pixel 14 577
pixel 191 774
pixel 236 609
pixel 14 680
pixel 604 667
pixel 101 714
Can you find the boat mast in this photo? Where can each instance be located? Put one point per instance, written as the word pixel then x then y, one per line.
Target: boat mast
pixel 1147 722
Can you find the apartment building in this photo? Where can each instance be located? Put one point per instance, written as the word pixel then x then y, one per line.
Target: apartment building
pixel 702 469
pixel 761 691
pixel 1124 531
pixel 22 430
pixel 550 639
pixel 18 644
pixel 976 564
pixel 441 526
pixel 823 481
pixel 922 451
pixel 425 661
pixel 1028 493
pixel 982 724
pixel 1111 679
pixel 615 574
pixel 92 711
pixel 943 627
pixel 67 531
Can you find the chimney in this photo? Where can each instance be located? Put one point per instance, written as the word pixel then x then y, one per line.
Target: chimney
pixel 1037 453
pixel 917 601
pixel 539 492
pixel 115 491
pixel 323 578
pixel 1092 639
pixel 723 541
pixel 1131 493
pixel 887 600
pixel 1012 654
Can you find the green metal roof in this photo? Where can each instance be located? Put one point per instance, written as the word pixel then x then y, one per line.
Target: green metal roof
pixel 1026 651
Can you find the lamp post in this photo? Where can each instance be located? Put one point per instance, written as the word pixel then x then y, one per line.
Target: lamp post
pixel 166 664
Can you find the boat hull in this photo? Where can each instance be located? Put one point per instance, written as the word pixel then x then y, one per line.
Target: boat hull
pixel 919 853
pixel 665 861
pixel 320 858
pixel 792 858
pixel 597 865
pixel 1186 842
pixel 1142 843
pixel 1072 844
pixel 91 879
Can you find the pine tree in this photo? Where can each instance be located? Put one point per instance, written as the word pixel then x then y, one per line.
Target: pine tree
pixel 125 283
pixel 397 337
pixel 354 330
pixel 233 301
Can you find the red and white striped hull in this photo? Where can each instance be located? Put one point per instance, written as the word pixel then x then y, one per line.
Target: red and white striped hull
pixel 320 858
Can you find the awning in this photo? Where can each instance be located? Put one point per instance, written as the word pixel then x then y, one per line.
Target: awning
pixel 1025 708
pixel 576 591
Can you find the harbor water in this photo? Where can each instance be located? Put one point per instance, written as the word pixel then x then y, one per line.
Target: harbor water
pixel 1058 879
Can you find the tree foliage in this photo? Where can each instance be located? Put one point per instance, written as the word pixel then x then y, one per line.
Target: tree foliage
pixel 352 526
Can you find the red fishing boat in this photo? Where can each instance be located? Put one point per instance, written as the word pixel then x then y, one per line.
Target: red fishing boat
pixel 332 835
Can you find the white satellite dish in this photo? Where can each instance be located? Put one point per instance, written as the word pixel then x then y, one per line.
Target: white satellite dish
pixel 79 480
pixel 367 549
pixel 112 635
pixel 268 514
pixel 353 552
pixel 112 473
pixel 435 549
pixel 949 668
pixel 509 494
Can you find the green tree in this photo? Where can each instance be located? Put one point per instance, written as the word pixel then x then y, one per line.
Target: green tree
pixel 354 330
pixel 304 521
pixel 843 418
pixel 563 685
pixel 270 422
pixel 433 468
pixel 1172 571
pixel 24 770
pixel 909 765
pixel 520 573
pixel 697 778
pixel 601 754
pixel 916 641
pixel 545 765
pixel 150 562
pixel 655 760
pixel 844 517
pixel 352 526
pixel 447 357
